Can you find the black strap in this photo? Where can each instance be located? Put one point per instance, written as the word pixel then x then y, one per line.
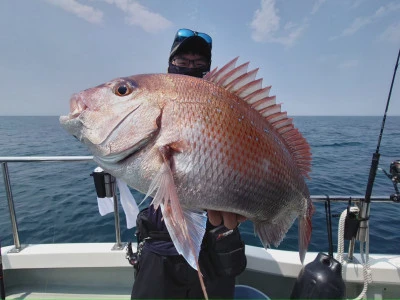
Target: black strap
pixel 160 235
pixel 146 229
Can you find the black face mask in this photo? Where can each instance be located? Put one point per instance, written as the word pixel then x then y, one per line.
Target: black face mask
pixel 195 72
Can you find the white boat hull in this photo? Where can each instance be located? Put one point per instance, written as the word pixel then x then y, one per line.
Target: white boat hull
pixel 96 271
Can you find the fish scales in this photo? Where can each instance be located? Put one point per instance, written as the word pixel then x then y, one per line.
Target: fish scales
pixel 232 164
pixel 194 145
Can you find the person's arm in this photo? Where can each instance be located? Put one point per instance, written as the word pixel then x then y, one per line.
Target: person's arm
pixel 230 220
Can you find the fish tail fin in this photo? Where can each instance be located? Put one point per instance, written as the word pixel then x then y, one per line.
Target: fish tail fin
pixel 305 229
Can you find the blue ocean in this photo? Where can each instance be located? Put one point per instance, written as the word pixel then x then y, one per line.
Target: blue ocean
pixel 56 202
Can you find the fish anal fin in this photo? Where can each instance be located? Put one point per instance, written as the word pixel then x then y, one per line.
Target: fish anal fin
pixel 272 233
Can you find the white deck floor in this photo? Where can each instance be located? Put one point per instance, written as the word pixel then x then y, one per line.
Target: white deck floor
pixel 94 271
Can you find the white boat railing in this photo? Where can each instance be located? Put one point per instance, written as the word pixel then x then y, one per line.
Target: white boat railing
pixel 118 245
pixel 10 200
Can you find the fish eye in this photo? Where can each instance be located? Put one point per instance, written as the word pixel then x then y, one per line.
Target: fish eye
pixel 122 89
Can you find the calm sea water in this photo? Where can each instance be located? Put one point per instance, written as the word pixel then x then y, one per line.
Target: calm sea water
pixel 56 202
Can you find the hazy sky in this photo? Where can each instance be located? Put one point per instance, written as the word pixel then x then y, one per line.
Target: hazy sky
pixel 322 57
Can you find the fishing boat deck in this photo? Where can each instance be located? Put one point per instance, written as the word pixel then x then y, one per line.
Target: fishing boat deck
pixel 69 293
pixel 88 271
pixel 84 271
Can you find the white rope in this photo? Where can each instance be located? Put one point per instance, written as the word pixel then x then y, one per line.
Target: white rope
pixel 366 266
pixel 365 260
pixel 340 251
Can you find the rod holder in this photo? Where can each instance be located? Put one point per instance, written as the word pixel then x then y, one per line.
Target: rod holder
pixel 105 185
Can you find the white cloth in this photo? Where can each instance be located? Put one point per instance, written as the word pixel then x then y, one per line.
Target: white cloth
pixel 129 205
pixel 106 205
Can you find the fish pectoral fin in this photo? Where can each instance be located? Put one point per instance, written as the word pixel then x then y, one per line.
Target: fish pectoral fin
pixel 180 146
pixel 185 227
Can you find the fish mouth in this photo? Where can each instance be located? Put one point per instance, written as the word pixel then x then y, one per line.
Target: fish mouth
pixel 76 106
pixel 71 121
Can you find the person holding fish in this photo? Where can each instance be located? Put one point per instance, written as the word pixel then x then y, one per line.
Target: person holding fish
pixel 160 272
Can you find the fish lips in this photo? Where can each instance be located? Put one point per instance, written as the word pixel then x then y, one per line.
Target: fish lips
pixel 71 123
pixel 76 106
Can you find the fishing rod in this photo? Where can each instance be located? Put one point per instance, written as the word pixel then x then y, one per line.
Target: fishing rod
pixel 365 205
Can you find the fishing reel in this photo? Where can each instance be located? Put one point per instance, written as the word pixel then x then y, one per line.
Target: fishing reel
pixel 395 171
pixel 394 176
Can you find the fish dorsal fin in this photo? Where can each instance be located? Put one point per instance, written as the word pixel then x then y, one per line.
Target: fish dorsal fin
pixel 244 85
pixel 216 74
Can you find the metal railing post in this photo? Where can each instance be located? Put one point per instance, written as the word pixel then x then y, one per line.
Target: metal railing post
pixel 110 185
pixel 7 185
pixel 10 200
pixel 118 245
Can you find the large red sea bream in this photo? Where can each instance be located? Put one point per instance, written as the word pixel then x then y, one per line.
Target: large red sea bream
pixel 218 143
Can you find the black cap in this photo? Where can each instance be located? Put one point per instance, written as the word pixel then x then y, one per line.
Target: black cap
pixel 193 44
